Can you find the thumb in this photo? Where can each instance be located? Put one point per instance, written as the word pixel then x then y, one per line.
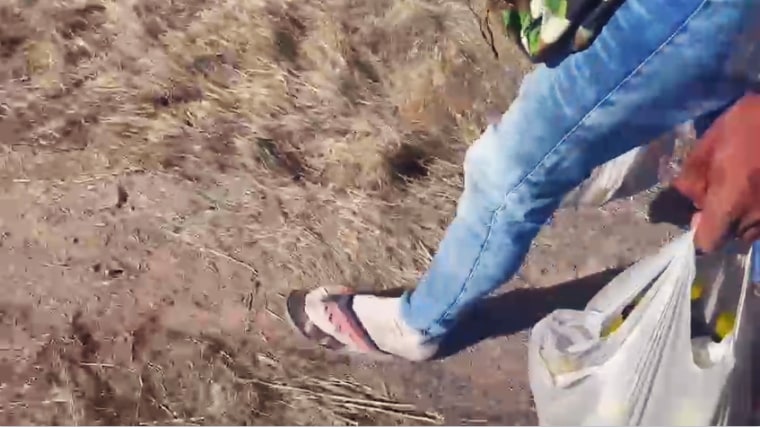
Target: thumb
pixel 713 224
pixel 751 234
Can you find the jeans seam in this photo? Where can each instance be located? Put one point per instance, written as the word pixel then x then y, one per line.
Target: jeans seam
pixel 562 140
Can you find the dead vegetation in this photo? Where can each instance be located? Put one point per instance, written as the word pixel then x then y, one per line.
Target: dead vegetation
pixel 333 92
pixel 293 142
pixel 195 380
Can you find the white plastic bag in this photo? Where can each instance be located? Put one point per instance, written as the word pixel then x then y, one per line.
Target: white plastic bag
pixel 649 371
pixel 628 174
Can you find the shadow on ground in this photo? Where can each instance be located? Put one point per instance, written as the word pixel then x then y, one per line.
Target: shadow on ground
pixel 520 309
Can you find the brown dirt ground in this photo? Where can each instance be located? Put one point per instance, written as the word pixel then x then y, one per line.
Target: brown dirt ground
pixel 170 169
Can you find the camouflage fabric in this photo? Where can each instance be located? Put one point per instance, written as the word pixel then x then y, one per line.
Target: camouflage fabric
pixel 547 27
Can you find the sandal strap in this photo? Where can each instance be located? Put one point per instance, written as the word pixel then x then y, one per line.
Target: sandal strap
pixel 340 313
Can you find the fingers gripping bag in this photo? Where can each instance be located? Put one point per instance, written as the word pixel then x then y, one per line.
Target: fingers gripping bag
pixel 656 366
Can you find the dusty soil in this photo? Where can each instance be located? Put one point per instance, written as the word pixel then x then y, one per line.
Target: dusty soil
pixel 171 169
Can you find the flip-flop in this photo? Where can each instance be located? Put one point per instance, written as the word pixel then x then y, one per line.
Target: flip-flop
pixel 337 328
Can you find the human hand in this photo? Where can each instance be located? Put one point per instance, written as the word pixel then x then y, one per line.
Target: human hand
pixel 721 178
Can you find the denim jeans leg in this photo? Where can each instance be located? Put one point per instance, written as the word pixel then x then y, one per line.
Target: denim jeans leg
pixel 655 65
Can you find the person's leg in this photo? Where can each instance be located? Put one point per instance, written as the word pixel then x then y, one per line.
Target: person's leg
pixel 656 64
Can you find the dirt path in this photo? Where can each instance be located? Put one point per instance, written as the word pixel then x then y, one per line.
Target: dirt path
pixel 484 381
pixel 115 312
pixel 170 170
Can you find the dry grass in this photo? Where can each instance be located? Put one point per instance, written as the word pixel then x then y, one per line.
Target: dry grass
pixel 359 108
pixel 201 380
pixel 340 93
pixel 322 142
pixel 175 378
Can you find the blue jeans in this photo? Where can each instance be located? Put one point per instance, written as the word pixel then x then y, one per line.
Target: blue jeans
pixel 658 63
